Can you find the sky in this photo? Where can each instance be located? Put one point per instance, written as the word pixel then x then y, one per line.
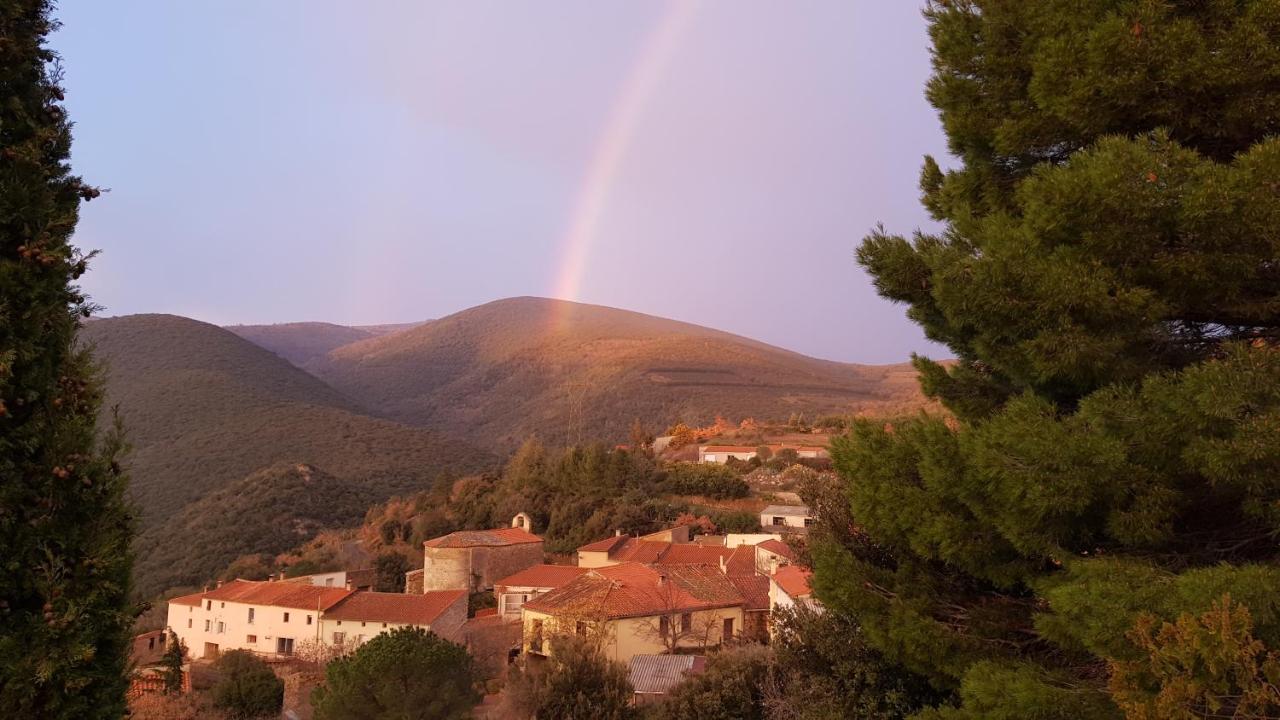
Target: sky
pixel 386 161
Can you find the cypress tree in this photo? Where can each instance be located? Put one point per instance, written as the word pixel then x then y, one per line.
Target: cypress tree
pixel 1108 279
pixel 64 526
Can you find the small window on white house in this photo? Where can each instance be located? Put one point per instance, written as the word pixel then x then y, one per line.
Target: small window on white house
pixel 250 616
pixel 251 639
pixel 207 625
pixel 779 520
pixel 188 622
pixel 339 637
pixel 286 617
pixel 308 619
pixel 208 604
pixel 808 522
pixel 221 627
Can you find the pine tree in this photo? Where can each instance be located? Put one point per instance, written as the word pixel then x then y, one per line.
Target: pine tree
pixel 1108 279
pixel 64 526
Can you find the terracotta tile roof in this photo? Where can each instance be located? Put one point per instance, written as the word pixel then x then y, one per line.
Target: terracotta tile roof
pixel 484 538
pixel 754 589
pixel 605 545
pixel 741 562
pixel 778 547
pixel 793 580
pixel 278 594
pixel 192 599
pixel 636 590
pixel 543 576
pixel 635 550
pixel 400 608
pixel 689 554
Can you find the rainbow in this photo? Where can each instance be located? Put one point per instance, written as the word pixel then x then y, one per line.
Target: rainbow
pixel 611 147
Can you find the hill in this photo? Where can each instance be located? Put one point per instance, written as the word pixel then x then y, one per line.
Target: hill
pixel 300 342
pixel 288 503
pixel 204 408
pixel 570 371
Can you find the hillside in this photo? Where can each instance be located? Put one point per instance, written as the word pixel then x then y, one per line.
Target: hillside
pixel 300 342
pixel 289 504
pixel 204 408
pixel 569 371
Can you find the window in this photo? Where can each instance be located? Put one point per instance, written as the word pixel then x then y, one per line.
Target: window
pixel 251 639
pixel 208 624
pixel 339 638
pixel 535 637
pixel 664 626
pixel 728 629
pixel 808 522
pixel 580 629
pixel 308 619
pixel 779 520
pixel 286 617
pixel 328 582
pixel 221 627
pixel 250 616
pixel 188 622
pixel 686 622
pixel 284 646
pixel 208 604
pixel 222 606
pixel 384 624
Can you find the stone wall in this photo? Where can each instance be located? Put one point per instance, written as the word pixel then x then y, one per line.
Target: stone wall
pixel 446 569
pixel 491 564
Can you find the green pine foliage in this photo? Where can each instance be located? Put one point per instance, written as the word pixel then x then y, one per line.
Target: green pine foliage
pixel 732 687
pixel 1107 278
pixel 713 481
pixel 246 687
pixel 64 526
pixel 175 655
pixel 405 674
pixel 576 683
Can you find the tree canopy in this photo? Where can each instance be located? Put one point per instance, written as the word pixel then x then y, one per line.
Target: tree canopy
pixel 1107 279
pixel 405 674
pixel 64 527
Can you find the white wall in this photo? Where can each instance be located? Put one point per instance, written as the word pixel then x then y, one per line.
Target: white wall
pixel 229 626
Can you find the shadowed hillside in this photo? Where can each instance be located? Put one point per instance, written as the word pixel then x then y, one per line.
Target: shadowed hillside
pixel 288 505
pixel 564 370
pixel 300 342
pixel 204 408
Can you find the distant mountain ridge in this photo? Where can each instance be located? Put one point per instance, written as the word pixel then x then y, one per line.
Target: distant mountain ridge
pixel 302 342
pixel 570 371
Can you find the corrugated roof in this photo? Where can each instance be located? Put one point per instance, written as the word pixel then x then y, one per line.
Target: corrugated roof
pixel 543 576
pixel 660 673
pixel 637 590
pixel 401 608
pixel 484 538
pixel 786 510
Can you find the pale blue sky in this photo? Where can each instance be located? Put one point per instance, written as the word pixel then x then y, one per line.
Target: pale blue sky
pixel 387 161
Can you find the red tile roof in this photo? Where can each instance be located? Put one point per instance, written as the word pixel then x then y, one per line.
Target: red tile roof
pixel 484 538
pixel 605 545
pixel 742 561
pixel 401 608
pixel 278 594
pixel 629 549
pixel 636 590
pixel 689 554
pixel 778 547
pixel 754 589
pixel 794 580
pixel 543 576
pixel 192 599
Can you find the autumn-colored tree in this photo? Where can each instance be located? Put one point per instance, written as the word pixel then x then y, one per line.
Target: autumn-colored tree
pixel 681 436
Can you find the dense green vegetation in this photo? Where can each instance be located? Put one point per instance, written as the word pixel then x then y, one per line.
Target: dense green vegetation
pixel 405 674
pixel 713 481
pixel 270 511
pixel 577 683
pixel 1107 278
pixel 64 527
pixel 573 373
pixel 246 687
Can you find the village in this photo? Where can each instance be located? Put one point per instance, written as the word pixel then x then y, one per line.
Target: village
pixel 657 603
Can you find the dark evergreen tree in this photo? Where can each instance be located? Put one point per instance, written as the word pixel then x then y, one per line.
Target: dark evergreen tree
pixel 389 572
pixel 247 688
pixel 1108 278
pixel 64 526
pixel 175 656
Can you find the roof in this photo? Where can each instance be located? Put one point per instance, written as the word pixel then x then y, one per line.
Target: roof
pixel 793 580
pixel 192 599
pixel 542 576
pixel 302 596
pixel 778 548
pixel 148 648
pixel 689 554
pixel 660 673
pixel 629 549
pixel 484 538
pixel 786 510
pixel 636 590
pixel 606 545
pixel 727 448
pixel 399 608
pixel 742 561
pixel 754 589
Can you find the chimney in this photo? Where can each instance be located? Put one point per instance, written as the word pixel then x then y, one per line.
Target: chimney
pixel 219 584
pixel 617 533
pixel 348 583
pixel 662 579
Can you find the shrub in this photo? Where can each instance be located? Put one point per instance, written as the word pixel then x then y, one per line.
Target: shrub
pixel 732 688
pixel 406 674
pixel 714 481
pixel 576 683
pixel 247 687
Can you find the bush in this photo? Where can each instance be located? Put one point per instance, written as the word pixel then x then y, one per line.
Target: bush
pixel 406 674
pixel 576 683
pixel 732 688
pixel 389 570
pixel 736 521
pixel 247 687
pixel 709 480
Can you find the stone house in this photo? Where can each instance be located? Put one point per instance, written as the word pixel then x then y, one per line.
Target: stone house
pixel 474 559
